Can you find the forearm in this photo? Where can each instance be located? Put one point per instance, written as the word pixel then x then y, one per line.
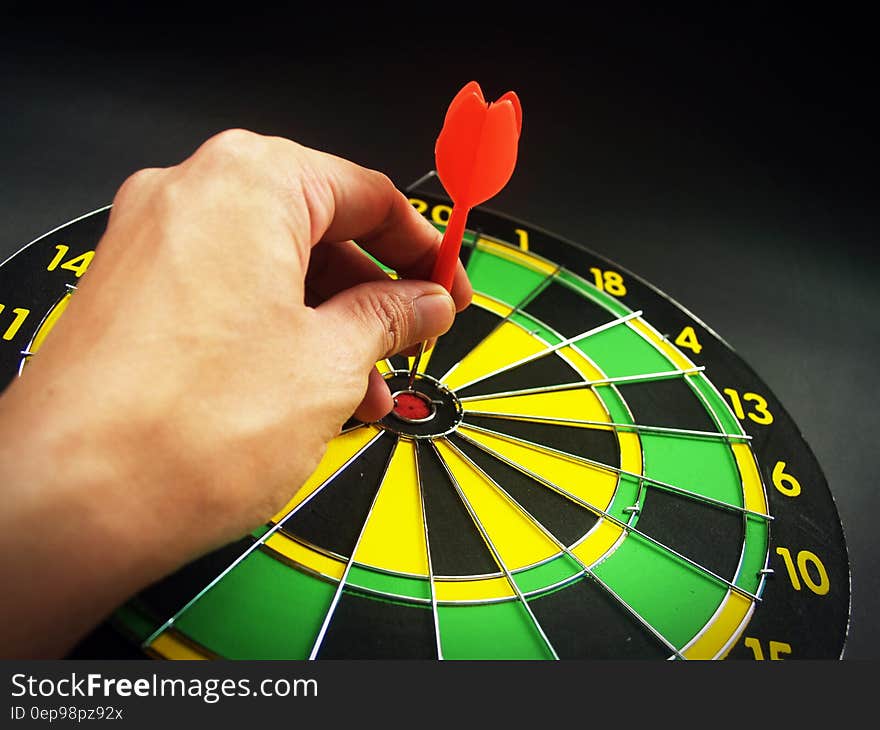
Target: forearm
pixel 73 547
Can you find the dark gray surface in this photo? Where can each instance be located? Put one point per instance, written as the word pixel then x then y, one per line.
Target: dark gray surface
pixel 728 161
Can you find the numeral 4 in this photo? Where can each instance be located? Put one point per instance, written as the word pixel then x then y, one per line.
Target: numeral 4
pixel 688 338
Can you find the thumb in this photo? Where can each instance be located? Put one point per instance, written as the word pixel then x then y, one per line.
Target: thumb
pixel 378 319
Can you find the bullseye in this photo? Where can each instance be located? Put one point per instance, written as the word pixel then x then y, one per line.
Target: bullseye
pixel 413 407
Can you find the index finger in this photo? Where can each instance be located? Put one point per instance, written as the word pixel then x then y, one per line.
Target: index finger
pixel 354 202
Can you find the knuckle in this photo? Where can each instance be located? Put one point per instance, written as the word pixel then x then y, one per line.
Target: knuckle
pixel 235 144
pixel 136 184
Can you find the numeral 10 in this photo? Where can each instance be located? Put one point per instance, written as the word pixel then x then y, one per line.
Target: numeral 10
pixel 801 571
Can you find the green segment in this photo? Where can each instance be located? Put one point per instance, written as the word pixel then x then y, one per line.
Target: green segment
pixel 490 631
pixel 614 403
pixel 626 496
pixel 755 553
pixel 506 281
pixel 529 324
pixel 546 574
pixel 727 421
pixel 701 465
pixel 621 351
pixel 134 621
pixel 395 585
pixel 675 598
pixel 260 610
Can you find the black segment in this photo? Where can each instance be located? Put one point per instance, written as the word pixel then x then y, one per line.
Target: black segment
pixel 567 312
pixel 457 548
pixel 708 535
pixel 399 362
pixel 467 250
pixel 370 628
pixel 334 517
pixel 548 370
pixel 468 330
pixel 566 520
pixel 671 403
pixel 583 621
pixel 591 443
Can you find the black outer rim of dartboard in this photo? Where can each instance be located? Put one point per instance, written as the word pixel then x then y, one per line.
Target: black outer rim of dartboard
pixel 21 281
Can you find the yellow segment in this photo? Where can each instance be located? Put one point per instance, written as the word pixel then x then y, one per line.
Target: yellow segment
pixel 673 353
pixel 301 554
pixel 473 590
pixel 516 255
pixel 493 305
pixel 591 484
pixel 582 363
pixel 48 323
pixel 339 450
pixel 598 541
pixel 630 451
pixel 423 363
pixel 518 541
pixel 720 632
pixel 394 537
pixel 753 490
pixel 506 345
pixel 383 367
pixel 168 646
pixel 582 404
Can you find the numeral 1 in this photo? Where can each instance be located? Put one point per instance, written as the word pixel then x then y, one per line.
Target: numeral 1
pixel 17 322
pixel 523 237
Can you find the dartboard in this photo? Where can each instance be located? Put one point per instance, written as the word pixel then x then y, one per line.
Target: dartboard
pixel 581 469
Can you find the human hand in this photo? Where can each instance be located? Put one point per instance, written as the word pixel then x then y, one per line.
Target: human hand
pixel 226 329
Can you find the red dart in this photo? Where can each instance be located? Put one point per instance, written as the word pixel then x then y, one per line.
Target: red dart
pixel 475 155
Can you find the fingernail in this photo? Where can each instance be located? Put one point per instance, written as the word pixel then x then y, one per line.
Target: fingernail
pixel 434 313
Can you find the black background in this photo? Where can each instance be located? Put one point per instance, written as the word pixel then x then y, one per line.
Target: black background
pixel 728 158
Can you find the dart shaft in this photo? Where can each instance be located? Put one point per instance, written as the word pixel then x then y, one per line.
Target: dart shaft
pixel 444 267
pixel 415 366
pixel 447 258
